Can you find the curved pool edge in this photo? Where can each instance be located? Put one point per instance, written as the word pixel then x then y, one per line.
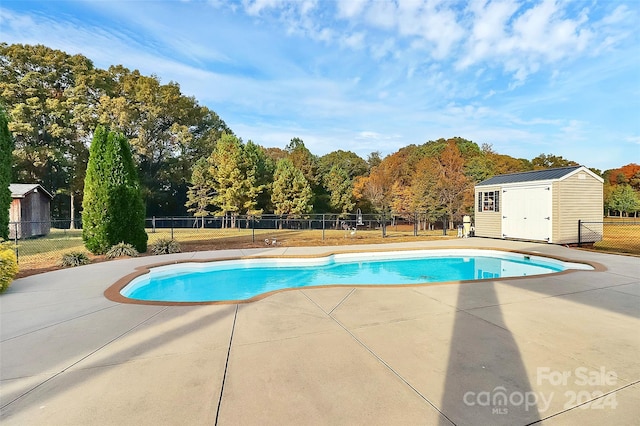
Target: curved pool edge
pixel 113 292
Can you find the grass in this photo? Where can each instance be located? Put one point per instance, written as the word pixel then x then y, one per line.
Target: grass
pixel 57 240
pixel 44 253
pixel 620 238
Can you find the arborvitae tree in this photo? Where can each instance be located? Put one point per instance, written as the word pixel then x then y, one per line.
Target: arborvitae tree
pixel 113 207
pixel 6 148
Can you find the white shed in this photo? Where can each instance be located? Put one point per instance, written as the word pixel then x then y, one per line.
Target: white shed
pixel 541 205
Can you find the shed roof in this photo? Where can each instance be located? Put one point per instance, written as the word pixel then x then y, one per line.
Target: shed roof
pixel 21 190
pixel 535 175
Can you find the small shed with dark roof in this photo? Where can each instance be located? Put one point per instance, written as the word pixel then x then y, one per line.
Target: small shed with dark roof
pixel 30 211
pixel 540 205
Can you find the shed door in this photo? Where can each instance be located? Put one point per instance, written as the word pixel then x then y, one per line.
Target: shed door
pixel 526 213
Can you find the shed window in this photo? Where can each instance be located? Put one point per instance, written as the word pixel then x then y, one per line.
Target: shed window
pixel 490 201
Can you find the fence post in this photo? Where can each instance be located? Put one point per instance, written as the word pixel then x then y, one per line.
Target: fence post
pixel 153 225
pixel 172 227
pixel 579 233
pixel 253 229
pixel 15 241
pixel 415 224
pixel 323 227
pixel 384 223
pixel 444 225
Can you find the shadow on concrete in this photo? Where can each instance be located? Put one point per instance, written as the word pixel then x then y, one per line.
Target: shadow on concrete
pixel 486 382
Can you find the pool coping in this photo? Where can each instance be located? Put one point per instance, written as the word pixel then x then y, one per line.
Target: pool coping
pixel 113 291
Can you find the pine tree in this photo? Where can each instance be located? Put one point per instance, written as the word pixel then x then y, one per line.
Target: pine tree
pixel 256 177
pixel 340 188
pixel 6 150
pixel 113 207
pixel 200 194
pixel 291 192
pixel 227 171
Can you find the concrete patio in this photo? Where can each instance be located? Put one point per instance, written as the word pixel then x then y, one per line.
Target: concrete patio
pixel 518 352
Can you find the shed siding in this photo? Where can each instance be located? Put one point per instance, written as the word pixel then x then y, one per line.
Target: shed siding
pixel 33 214
pixel 488 224
pixel 576 199
pixel 15 211
pixel 15 215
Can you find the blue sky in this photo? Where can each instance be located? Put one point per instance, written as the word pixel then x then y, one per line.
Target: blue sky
pixel 528 77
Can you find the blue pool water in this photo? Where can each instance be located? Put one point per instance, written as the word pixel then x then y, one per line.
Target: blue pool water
pixel 246 278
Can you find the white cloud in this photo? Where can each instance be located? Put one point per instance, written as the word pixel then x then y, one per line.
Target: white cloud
pixel 619 15
pixel 353 41
pixel 542 30
pixel 381 14
pixel 350 8
pixel 468 112
pixel 520 39
pixel 573 131
pixel 367 135
pixel 254 7
pixel 379 51
pixel 440 27
pixel 633 139
pixel 278 69
pixel 488 28
pixel 307 6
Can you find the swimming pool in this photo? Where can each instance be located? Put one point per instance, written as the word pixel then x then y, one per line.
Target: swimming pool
pixel 243 279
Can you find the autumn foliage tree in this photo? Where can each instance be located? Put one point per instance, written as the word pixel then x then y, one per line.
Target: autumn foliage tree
pixel 55 100
pixel 424 191
pixel 453 187
pixel 621 188
pixel 377 188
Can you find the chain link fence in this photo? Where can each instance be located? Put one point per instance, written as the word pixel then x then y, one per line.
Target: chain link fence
pixel 194 227
pixel 616 235
pixel 41 244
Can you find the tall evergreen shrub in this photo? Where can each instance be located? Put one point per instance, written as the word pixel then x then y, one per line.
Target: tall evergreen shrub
pixel 113 210
pixel 6 152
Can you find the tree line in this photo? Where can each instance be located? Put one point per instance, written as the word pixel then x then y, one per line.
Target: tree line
pixel 55 101
pixel 622 190
pixel 189 161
